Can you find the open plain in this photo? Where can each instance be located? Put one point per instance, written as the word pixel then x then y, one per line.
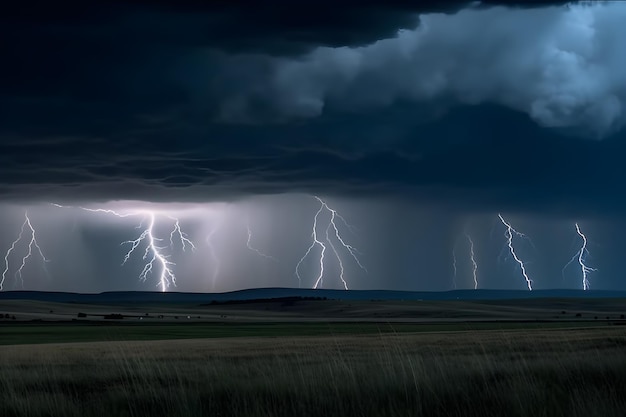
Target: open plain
pixel 309 357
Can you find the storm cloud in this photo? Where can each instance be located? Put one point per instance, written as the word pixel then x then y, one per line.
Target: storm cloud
pixel 419 122
pixel 561 65
pixel 477 105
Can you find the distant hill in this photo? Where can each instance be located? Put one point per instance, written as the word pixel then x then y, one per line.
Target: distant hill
pixel 270 293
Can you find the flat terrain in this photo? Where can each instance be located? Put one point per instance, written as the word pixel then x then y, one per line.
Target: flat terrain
pixel 58 333
pixel 537 357
pixel 45 322
pixel 295 309
pixel 549 372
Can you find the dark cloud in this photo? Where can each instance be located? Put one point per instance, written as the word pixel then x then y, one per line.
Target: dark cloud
pixel 469 158
pixel 277 26
pixel 189 101
pixel 106 50
pixel 565 73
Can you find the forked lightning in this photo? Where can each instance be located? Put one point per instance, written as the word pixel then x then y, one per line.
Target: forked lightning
pixel 510 232
pixel 32 245
pixel 331 233
pixel 580 256
pixel 254 249
pixel 154 252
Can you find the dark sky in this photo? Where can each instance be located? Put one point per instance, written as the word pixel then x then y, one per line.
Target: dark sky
pixel 416 119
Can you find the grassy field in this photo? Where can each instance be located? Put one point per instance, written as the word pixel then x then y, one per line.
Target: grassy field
pixel 537 361
pixel 11 334
pixel 329 310
pixel 45 322
pixel 547 372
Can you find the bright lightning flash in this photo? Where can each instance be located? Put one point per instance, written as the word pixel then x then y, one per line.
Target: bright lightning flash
pixel 580 257
pixel 331 233
pixel 32 244
pixel 510 231
pixel 154 253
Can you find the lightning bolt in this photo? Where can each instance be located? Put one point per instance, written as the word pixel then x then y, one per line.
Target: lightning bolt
pixel 154 252
pixel 580 257
pixel 182 236
pixel 332 246
pixel 331 233
pixel 473 259
pixel 510 231
pixel 315 242
pixel 32 244
pixel 472 256
pixel 254 249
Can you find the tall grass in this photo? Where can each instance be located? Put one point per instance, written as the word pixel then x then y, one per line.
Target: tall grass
pixel 457 374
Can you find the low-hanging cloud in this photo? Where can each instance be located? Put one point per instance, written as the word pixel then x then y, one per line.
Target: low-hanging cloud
pixel 562 65
pixel 129 103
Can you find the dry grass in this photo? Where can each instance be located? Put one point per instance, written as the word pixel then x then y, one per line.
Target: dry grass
pixel 490 373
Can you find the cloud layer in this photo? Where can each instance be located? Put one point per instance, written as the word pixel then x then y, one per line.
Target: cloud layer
pixel 561 65
pixel 482 107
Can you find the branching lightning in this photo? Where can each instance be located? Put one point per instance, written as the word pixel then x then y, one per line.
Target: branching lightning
pixel 154 252
pixel 581 259
pixel 315 242
pixel 32 244
pixel 160 237
pixel 254 249
pixel 166 277
pixel 327 241
pixel 580 256
pixel 182 236
pixel 341 271
pixel 510 231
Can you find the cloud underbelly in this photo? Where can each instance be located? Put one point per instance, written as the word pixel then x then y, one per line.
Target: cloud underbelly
pixel 563 66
